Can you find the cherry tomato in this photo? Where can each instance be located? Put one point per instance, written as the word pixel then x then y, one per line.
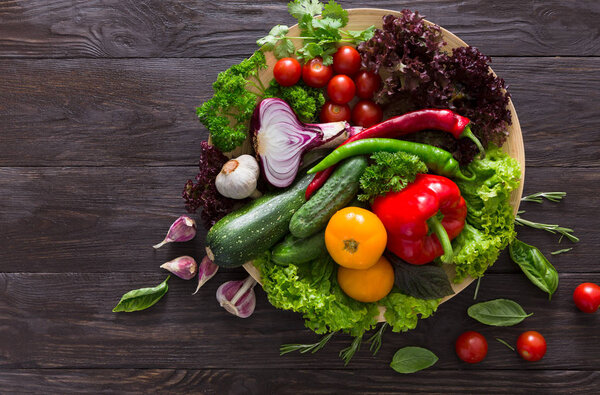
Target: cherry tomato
pixel 531 346
pixel 471 347
pixel 315 74
pixel 587 297
pixel 367 83
pixel 341 89
pixel 366 113
pixel 287 71
pixel 332 112
pixel 346 60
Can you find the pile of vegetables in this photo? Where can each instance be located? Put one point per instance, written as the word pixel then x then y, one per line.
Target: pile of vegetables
pixel 378 227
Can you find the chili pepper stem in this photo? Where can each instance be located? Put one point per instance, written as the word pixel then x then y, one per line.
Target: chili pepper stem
pixel 469 134
pixel 437 227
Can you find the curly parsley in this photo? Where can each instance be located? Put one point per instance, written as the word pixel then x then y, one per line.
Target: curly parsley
pixel 390 172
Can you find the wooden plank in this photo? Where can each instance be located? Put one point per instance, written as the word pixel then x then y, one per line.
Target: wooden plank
pixel 203 28
pixel 126 112
pixel 106 219
pixel 286 381
pixel 65 321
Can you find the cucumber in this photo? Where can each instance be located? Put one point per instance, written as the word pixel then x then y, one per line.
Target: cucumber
pixel 293 250
pixel 253 229
pixel 338 191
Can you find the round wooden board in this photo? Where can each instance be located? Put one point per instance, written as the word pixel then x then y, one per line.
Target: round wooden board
pixel 359 19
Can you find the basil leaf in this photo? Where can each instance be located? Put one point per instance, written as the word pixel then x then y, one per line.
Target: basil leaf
pixel 498 312
pixel 141 299
pixel 412 359
pixel 420 281
pixel 535 266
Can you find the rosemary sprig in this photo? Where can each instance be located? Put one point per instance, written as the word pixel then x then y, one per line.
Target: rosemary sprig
pixel 561 251
pixel 566 232
pixel 477 289
pixel 505 343
pixel 375 340
pixel 304 348
pixel 540 196
pixel 347 353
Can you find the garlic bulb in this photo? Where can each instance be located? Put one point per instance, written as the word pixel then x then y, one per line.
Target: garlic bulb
pixel 238 178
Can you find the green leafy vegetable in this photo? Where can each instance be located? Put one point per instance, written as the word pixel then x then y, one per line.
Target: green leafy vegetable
pixel 375 340
pixel 304 100
pixel 566 232
pixel 505 343
pixel 561 251
pixel 490 220
pixel 312 290
pixel 403 311
pixel 412 359
pixel 540 196
pixel 420 281
pixel 227 113
pixel 535 266
pixel 498 312
pixel 390 172
pixel 347 353
pixel 304 348
pixel 141 299
pixel 320 35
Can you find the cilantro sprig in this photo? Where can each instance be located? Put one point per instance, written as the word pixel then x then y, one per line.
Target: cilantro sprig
pixel 319 36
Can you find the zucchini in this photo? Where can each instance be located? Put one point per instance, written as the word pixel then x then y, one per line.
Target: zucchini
pixel 244 234
pixel 293 250
pixel 338 191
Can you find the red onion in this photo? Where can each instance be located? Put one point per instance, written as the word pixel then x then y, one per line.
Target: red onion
pixel 280 139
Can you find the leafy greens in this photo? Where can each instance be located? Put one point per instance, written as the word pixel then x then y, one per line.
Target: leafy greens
pixel 490 220
pixel 320 36
pixel 391 171
pixel 312 290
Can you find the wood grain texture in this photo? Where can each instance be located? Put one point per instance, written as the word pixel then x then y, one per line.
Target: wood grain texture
pixel 64 320
pixel 97 112
pixel 192 28
pixel 286 381
pixel 80 219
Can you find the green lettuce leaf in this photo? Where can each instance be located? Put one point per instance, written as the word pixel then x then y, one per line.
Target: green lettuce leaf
pixel 312 290
pixel 403 311
pixel 490 220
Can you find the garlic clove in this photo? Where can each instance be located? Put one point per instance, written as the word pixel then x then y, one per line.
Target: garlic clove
pixel 184 267
pixel 183 229
pixel 206 271
pixel 237 297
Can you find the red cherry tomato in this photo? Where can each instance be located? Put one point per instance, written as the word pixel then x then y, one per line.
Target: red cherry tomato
pixel 366 113
pixel 287 71
pixel 471 347
pixel 315 74
pixel 332 112
pixel 341 89
pixel 367 83
pixel 531 346
pixel 346 60
pixel 587 297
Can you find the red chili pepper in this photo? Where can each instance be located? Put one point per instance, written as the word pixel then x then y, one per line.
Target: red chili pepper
pixel 444 120
pixel 430 202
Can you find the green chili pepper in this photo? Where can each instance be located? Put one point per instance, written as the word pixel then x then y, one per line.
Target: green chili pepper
pixel 436 159
pixel 535 266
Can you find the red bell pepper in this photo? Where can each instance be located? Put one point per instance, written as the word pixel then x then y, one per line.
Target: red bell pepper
pixel 429 203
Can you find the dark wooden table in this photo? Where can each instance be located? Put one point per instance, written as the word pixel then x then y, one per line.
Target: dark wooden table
pixel 98 135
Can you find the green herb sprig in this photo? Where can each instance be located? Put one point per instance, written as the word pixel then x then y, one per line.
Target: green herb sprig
pixel 552 228
pixel 540 196
pixel 347 353
pixel 375 340
pixel 319 36
pixel 304 348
